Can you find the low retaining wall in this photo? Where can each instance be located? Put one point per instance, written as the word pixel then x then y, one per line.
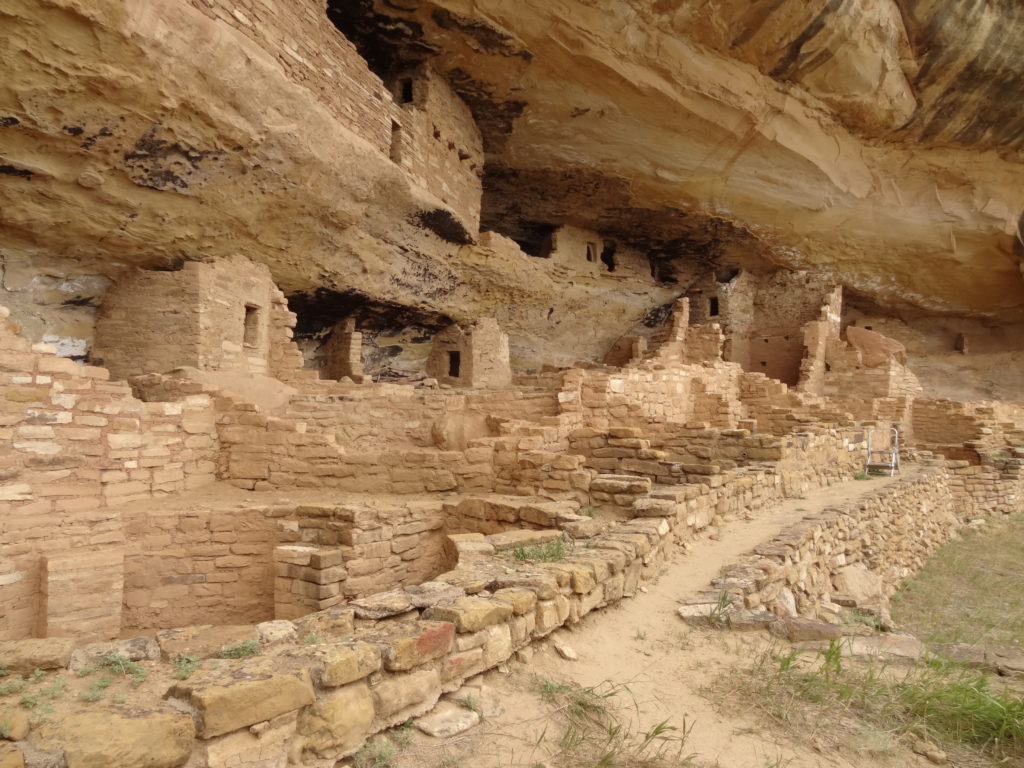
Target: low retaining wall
pixel 806 568
pixel 329 680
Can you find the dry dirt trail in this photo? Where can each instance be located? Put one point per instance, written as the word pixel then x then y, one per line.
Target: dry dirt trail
pixel 642 643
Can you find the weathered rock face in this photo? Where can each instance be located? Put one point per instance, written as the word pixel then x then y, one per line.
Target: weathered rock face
pixel 876 142
pixel 873 140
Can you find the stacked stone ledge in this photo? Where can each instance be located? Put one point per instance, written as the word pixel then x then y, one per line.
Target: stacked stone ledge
pixel 379 660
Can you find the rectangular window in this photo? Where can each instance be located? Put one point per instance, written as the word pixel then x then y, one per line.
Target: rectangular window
pixel 251 327
pixel 713 307
pixel 454 364
pixel 396 142
pixel 408 95
pixel 591 251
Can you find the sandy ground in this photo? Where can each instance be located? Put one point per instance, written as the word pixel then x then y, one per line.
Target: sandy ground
pixel 642 643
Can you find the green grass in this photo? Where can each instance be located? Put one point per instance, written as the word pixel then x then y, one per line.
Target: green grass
pixel 936 700
pixel 970 591
pixel 861 476
pixel 552 552
pixel 243 650
pixel 594 728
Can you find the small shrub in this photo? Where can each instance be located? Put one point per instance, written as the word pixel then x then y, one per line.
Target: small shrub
pixel 36 675
pixel 17 685
pixel 861 617
pixel 379 754
pixel 311 639
pixel 861 476
pixel 92 694
pixel 29 701
pixel 57 688
pixel 5 729
pixel 118 698
pixel 243 650
pixel 552 552
pixel 184 666
pixel 120 665
pixel 4 671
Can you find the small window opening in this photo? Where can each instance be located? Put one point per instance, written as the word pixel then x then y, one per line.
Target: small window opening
pixel 608 255
pixel 591 252
pixel 251 326
pixel 766 341
pixel 407 92
pixel 396 142
pixel 713 307
pixel 827 367
pixel 454 364
pixel 764 363
pixel 867 327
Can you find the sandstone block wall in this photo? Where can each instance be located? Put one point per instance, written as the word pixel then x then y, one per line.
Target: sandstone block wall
pixel 441 147
pixel 197 566
pixel 80 446
pixel 381 545
pixel 315 55
pixel 892 532
pixel 226 316
pixel 361 677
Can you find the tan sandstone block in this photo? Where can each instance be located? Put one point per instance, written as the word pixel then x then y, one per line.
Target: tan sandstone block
pixel 10 756
pixel 241 693
pixel 399 697
pixel 407 644
pixel 120 737
pixel 470 614
pixel 337 724
pixel 27 655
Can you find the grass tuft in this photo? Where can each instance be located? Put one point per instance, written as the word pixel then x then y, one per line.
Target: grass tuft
pixel 378 754
pixel 552 552
pixel 243 650
pixel 594 733
pixel 184 666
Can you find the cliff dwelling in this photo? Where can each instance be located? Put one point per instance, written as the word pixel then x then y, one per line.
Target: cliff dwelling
pixel 351 352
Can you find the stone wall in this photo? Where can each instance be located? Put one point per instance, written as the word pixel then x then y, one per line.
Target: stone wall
pixel 197 566
pixel 314 54
pixel 382 544
pixel 81 446
pixel 439 144
pixel 891 531
pixel 351 670
pixel 398 415
pixel 220 317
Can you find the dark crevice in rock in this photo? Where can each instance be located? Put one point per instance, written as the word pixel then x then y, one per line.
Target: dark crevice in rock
pixel 445 225
pixel 323 308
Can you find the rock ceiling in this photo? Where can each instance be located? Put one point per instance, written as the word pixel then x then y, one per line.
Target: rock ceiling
pixel 878 142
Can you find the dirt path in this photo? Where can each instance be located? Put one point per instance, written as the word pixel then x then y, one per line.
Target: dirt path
pixel 642 643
